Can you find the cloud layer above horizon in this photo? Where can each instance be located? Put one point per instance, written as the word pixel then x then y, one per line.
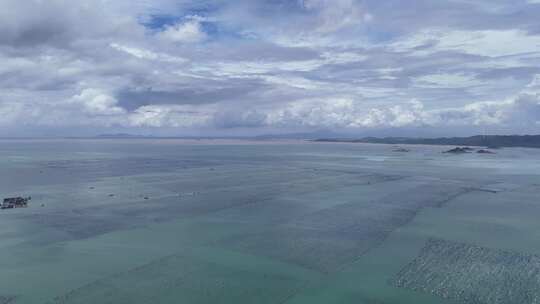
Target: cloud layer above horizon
pixel 201 67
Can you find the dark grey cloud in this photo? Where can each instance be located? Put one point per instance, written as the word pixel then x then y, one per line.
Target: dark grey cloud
pixel 193 94
pixel 59 23
pixel 237 118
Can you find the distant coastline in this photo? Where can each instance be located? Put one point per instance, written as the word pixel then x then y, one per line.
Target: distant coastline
pixel 490 141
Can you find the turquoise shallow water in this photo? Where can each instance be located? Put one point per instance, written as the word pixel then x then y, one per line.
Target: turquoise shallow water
pixel 172 221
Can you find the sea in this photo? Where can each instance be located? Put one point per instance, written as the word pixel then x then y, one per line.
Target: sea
pixel 281 222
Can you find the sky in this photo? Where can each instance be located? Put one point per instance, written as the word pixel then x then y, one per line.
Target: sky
pixel 250 67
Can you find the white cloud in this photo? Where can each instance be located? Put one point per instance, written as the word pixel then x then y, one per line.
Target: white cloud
pixel 146 54
pixel 490 43
pixel 102 110
pixel 96 102
pixel 346 113
pixel 188 32
pixel 249 68
pixel 334 15
pixel 521 110
pixel 535 83
pixel 446 80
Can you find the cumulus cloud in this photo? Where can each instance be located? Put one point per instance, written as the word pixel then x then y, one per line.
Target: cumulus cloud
pixel 518 111
pixel 523 110
pixel 94 101
pixel 190 31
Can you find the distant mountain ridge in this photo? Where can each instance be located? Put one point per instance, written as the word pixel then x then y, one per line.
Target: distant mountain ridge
pixel 121 135
pixel 492 141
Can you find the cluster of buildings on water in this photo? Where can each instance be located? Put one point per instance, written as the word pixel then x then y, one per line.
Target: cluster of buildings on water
pixel 15 202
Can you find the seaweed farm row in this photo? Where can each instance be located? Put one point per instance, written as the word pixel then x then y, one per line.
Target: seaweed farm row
pixel 331 238
pixel 472 274
pixel 184 276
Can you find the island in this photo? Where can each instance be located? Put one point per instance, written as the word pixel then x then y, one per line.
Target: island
pixel 490 141
pixel 458 150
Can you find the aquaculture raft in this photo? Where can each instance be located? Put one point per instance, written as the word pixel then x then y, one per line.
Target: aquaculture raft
pixel 472 274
